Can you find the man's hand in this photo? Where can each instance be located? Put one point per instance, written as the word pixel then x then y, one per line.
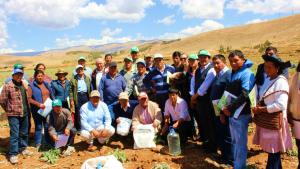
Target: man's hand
pixel 42 106
pixel 194 98
pixel 176 125
pixel 67 132
pixel 155 125
pixel 222 119
pixel 95 133
pixel 226 111
pixel 54 138
pixel 164 129
pixel 118 120
pixel 104 133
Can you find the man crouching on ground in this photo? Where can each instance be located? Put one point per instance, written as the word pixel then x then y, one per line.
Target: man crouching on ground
pixel 95 121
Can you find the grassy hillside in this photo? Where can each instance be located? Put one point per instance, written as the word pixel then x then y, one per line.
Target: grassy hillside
pixel 284 33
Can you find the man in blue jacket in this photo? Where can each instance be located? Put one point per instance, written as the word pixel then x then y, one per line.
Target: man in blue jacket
pixel 241 83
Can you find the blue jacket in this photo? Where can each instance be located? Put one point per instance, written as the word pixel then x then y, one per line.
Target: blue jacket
pixel 37 94
pixel 59 92
pixel 157 80
pixel 111 88
pixel 240 84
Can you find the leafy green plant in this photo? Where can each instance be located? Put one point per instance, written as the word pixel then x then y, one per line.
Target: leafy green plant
pixel 51 156
pixel 119 154
pixel 161 166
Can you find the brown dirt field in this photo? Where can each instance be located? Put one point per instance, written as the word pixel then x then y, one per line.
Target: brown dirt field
pixel 193 156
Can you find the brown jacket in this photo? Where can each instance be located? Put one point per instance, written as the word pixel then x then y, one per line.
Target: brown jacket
pixel 153 109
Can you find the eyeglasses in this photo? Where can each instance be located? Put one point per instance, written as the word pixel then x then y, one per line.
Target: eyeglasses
pixel 182 58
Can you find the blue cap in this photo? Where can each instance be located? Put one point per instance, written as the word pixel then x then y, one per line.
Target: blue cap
pixel 15 71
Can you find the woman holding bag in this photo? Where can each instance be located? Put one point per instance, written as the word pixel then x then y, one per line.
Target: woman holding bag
pixel 270 115
pixel 38 92
pixel 294 108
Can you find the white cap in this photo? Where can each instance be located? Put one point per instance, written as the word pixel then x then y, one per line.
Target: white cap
pixel 79 66
pixel 95 93
pixel 158 55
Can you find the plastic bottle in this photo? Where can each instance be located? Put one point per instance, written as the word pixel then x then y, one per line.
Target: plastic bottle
pixel 174 142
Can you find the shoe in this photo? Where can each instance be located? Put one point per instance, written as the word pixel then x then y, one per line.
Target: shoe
pixel 13 159
pixel 92 148
pixel 69 151
pixel 26 152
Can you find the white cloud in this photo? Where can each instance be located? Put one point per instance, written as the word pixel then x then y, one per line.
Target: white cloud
pixel 169 20
pixel 123 11
pixel 256 21
pixel 207 25
pixel 208 9
pixel 110 32
pixel 3 29
pixel 171 2
pixel 107 36
pixel 59 14
pixel 265 6
pixel 50 14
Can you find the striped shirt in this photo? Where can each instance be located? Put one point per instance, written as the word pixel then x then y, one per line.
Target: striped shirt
pixel 158 80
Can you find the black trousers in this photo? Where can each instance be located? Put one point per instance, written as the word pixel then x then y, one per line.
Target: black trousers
pixel 274 161
pixel 205 118
pixel 82 98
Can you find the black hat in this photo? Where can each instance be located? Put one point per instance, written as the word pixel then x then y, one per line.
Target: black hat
pixel 275 59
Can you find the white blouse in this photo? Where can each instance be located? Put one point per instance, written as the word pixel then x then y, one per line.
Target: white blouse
pixel 277 101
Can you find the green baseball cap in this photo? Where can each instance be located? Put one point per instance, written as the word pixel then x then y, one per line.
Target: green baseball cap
pixel 128 58
pixel 203 52
pixel 193 56
pixel 56 103
pixel 82 58
pixel 18 66
pixel 134 49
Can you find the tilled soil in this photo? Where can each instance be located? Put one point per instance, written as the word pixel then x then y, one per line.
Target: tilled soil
pixel 193 156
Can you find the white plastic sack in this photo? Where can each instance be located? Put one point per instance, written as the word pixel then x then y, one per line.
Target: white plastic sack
pixel 144 136
pixel 107 162
pixel 124 126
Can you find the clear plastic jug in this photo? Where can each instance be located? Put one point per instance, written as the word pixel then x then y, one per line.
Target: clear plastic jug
pixel 174 143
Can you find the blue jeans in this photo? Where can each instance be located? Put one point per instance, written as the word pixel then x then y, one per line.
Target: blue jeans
pixel 18 134
pixel 239 135
pixel 39 122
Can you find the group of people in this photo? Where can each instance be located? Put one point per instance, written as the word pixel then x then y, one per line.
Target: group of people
pixel 182 96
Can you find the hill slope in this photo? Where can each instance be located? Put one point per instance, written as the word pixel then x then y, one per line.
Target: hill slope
pixel 284 33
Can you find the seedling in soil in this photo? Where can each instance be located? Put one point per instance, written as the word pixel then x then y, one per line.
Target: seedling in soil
pixel 119 154
pixel 51 156
pixel 161 166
